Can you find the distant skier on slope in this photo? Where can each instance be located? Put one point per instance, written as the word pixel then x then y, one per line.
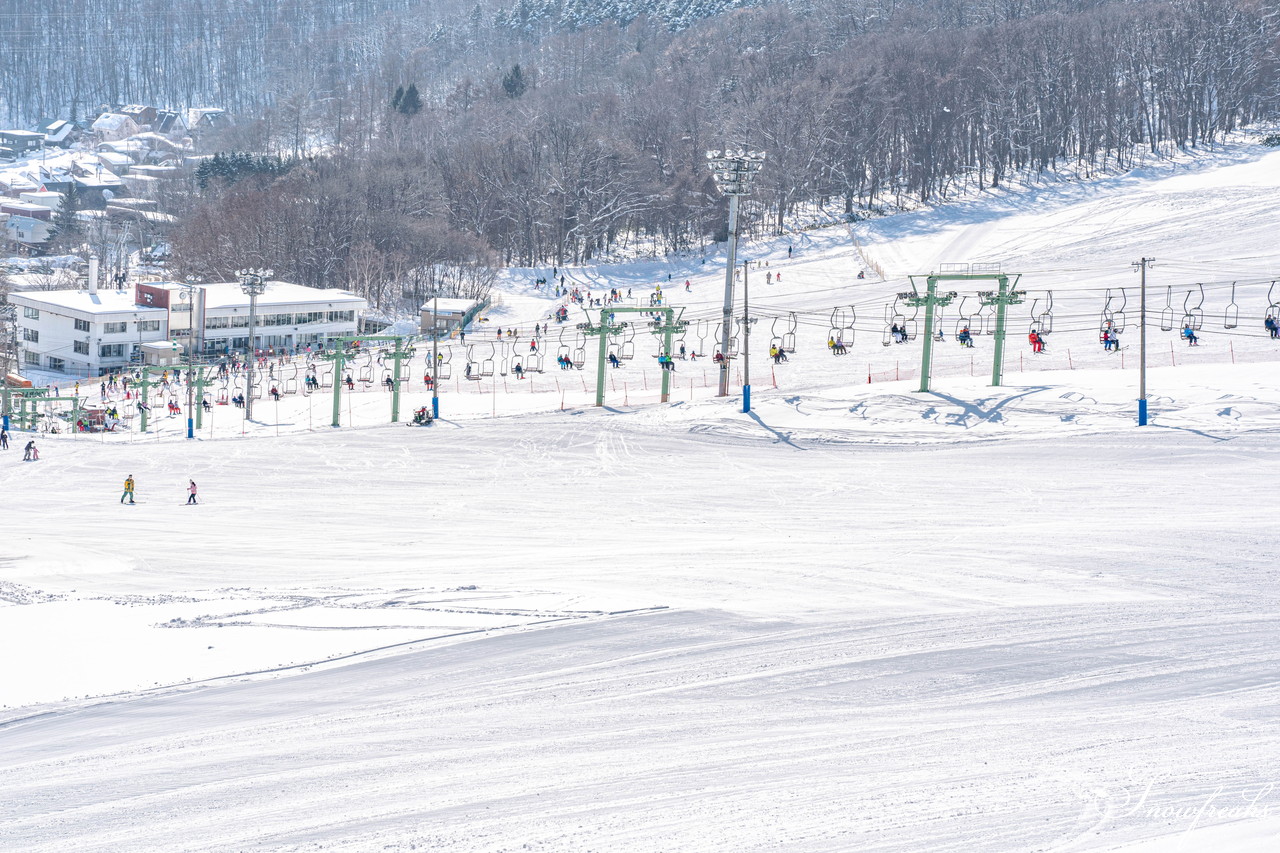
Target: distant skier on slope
pixel 128 489
pixel 191 492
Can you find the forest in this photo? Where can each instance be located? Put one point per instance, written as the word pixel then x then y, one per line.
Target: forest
pixel 558 132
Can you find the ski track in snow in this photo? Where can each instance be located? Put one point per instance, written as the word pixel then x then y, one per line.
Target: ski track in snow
pixel 859 618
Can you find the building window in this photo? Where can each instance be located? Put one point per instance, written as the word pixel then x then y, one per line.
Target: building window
pixel 115 328
pixel 148 325
pixel 180 333
pixel 57 364
pixel 32 335
pixel 341 316
pixel 217 323
pixel 82 325
pixel 111 351
pixel 81 347
pixel 29 357
pixel 239 322
pixel 31 313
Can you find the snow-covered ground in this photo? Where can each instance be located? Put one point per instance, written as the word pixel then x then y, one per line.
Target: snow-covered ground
pixel 861 617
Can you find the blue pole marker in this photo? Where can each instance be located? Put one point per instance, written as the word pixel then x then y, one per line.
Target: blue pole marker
pixel 746 399
pixel 435 407
pixel 1142 413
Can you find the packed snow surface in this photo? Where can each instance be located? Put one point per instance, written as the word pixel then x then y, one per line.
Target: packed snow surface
pixel 860 617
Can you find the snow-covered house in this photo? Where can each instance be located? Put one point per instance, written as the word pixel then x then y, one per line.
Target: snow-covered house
pixel 27 225
pixel 142 116
pixel 110 127
pixel 170 123
pixel 58 133
pixel 445 315
pixel 20 142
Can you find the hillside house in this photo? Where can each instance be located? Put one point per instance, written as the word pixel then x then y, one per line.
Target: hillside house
pixel 58 133
pixel 110 127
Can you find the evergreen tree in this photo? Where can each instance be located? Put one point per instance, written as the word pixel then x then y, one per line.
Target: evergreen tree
pixel 513 83
pixel 411 102
pixel 397 98
pixel 66 229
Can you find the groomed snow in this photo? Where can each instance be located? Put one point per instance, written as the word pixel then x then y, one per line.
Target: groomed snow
pixel 860 618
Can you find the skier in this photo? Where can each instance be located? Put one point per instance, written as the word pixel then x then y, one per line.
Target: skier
pixel 4 439
pixel 191 492
pixel 965 339
pixel 1190 334
pixel 128 489
pixel 1272 327
pixel 1037 342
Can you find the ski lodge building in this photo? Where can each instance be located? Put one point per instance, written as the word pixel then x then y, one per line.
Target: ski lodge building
pixel 90 332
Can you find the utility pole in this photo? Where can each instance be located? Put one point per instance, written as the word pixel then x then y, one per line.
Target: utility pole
pixel 190 295
pixel 746 343
pixel 435 356
pixel 734 172
pixel 253 282
pixel 1141 267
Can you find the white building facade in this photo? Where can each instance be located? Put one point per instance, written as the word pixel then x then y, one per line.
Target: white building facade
pixel 91 332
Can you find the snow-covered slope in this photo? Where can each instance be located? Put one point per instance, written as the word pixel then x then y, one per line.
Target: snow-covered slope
pixel 859 618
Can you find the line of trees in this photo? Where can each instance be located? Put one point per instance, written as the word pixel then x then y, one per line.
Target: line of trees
pixel 557 141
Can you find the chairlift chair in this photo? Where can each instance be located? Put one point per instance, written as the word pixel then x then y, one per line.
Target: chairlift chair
pixel 445 368
pixel 911 325
pixel 964 321
pixel 1166 313
pixel 1193 317
pixel 1231 316
pixel 486 365
pixel 789 336
pixel 627 350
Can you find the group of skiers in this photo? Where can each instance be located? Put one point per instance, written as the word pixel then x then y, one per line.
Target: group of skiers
pixel 130 484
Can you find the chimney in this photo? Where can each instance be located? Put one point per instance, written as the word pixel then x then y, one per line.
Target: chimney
pixel 93 273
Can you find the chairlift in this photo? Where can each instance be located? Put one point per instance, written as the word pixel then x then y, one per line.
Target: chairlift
pixel 486 365
pixel 911 325
pixel 562 349
pixel 700 329
pixel 1231 316
pixel 1112 319
pixel 1193 317
pixel 1166 314
pixel 445 368
pixel 789 336
pixel 775 339
pixel 627 350
pixel 849 328
pixel 533 362
pixel 965 320
pixel 1042 323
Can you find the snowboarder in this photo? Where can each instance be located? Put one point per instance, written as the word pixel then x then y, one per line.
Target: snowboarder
pixel 128 489
pixel 191 492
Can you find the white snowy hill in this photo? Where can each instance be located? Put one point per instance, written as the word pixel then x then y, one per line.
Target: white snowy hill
pixel 860 617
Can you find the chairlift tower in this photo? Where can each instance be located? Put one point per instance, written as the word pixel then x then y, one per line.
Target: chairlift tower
pixel 1004 296
pixel 929 301
pixel 340 357
pixel 734 171
pixel 671 324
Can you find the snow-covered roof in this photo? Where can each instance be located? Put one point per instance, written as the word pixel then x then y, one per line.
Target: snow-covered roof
pixel 450 305
pixel 228 295
pixel 102 302
pixel 112 122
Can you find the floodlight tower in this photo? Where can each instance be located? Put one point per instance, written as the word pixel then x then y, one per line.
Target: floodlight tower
pixel 734 171
pixel 253 282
